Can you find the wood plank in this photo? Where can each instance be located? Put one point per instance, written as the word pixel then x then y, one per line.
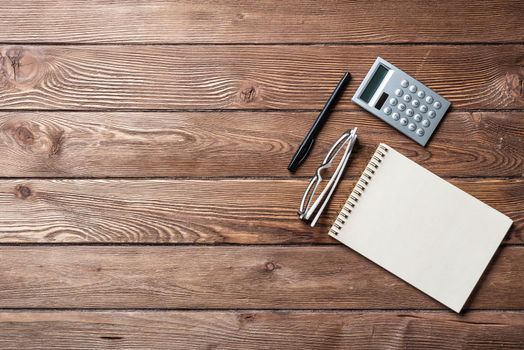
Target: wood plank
pixel 161 21
pixel 261 330
pixel 310 277
pixel 247 77
pixel 166 211
pixel 220 144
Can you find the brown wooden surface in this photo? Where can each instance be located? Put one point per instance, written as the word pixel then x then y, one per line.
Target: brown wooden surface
pixel 245 76
pixel 229 144
pixel 238 277
pixel 211 21
pixel 144 196
pixel 165 211
pixel 261 330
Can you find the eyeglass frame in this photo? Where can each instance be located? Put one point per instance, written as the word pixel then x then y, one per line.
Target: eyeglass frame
pixel 305 210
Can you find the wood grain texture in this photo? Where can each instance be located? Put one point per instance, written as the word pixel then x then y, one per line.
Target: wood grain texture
pixel 261 330
pixel 164 274
pixel 202 212
pixel 190 22
pixel 246 77
pixel 332 277
pixel 228 144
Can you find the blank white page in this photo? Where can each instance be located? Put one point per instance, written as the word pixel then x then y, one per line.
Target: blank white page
pixel 421 228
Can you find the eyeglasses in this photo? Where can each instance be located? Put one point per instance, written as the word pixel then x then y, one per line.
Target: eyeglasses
pixel 306 210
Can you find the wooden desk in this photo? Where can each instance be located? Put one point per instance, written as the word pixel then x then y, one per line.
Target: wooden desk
pixel 144 196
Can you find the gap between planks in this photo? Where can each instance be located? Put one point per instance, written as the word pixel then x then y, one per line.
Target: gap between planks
pixel 242 310
pixel 283 43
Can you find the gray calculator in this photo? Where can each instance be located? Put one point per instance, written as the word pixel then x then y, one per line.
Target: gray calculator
pixel 401 101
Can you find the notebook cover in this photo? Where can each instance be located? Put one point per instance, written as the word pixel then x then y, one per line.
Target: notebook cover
pixel 421 228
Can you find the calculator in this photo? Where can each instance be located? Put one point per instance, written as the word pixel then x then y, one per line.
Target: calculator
pixel 401 101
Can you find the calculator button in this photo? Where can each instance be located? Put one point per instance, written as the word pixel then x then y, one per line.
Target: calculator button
pixel 420 132
pixel 395 116
pixel 393 101
pixel 409 112
pixel 401 107
pixel 432 114
pixel 417 117
pixel 404 83
pixel 437 105
pixel 412 126
pixel 415 103
pixel 387 110
pixel 429 99
pixel 403 121
pixel 421 94
pixel 399 92
pixel 423 108
pixel 426 123
pixel 407 98
pixel 413 88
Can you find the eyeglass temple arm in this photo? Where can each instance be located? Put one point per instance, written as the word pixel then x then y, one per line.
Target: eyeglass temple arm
pixel 317 178
pixel 304 212
pixel 336 177
pixel 336 147
pixel 308 195
pixel 333 186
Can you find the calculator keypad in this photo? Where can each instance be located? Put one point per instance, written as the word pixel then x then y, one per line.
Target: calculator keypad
pixel 411 116
pixel 401 101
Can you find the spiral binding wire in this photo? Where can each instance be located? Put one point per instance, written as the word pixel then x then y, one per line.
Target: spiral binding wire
pixel 359 188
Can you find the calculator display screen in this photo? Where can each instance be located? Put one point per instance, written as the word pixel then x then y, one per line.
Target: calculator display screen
pixel 374 83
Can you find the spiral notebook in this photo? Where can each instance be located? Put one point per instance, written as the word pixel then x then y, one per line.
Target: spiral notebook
pixel 419 227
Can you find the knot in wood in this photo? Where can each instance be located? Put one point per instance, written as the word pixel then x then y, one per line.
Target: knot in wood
pixel 21 66
pixel 57 139
pixel 24 135
pixel 36 138
pixel 247 317
pixel 270 266
pixel 23 192
pixel 515 79
pixel 244 319
pixel 249 94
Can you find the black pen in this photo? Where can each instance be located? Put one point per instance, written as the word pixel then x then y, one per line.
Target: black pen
pixel 307 144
